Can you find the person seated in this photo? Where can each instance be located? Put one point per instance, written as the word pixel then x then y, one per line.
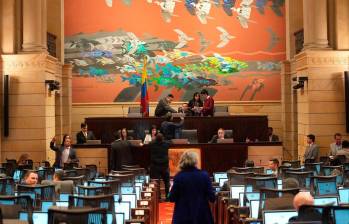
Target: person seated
pixel 184 109
pixel 151 135
pixel 23 159
pixel 208 105
pixel 170 129
pixel 123 135
pixel 274 166
pixel 64 152
pixel 305 198
pixel 312 150
pixel 84 135
pixel 336 145
pixel 163 106
pixel 30 178
pixel 345 150
pixel 61 186
pixel 195 104
pixel 220 135
pixel 271 136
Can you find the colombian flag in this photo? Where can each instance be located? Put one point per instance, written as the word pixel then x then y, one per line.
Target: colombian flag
pixel 144 92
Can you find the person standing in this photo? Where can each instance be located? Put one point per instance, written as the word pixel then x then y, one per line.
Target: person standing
pixel 164 107
pixel 170 129
pixel 64 153
pixel 312 150
pixel 195 104
pixel 208 106
pixel 159 166
pixel 191 192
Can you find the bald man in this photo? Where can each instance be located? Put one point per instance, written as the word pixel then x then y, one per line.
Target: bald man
pixel 305 214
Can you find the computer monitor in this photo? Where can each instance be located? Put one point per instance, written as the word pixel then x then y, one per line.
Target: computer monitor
pixel 254 209
pixel 327 188
pixel 326 200
pixel 249 188
pixel 180 141
pixel 45 205
pixel 344 195
pixel 93 142
pixel 62 203
pixel 222 181
pixel 38 217
pixel 235 190
pixel 63 197
pixel 123 207
pixel 341 215
pixel 132 198
pixel 278 216
pixel 218 175
pixel 269 171
pixel 138 190
pixel 127 190
pixel 6 202
pixel 119 217
pixel 17 175
pixel 225 140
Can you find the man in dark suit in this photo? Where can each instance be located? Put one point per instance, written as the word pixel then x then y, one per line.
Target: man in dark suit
pixel 208 107
pixel 84 135
pixel 170 129
pixel 271 136
pixel 64 153
pixel 159 167
pixel 164 107
pixel 312 150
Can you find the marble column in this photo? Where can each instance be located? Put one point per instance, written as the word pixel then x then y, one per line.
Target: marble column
pixel 315 24
pixel 34 26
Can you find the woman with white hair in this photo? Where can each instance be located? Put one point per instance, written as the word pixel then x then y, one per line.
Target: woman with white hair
pixel 191 192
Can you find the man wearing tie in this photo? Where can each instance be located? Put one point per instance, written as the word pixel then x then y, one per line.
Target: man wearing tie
pixel 312 150
pixel 84 135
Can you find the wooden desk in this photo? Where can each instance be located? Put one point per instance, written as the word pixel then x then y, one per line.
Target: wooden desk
pixel 254 127
pixel 214 157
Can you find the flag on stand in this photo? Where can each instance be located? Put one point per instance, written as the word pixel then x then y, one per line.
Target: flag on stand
pixel 144 91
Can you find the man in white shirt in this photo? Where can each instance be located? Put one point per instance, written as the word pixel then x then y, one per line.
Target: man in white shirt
pixel 336 145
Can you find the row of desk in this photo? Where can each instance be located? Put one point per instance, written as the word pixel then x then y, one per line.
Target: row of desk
pixel 212 157
pixel 253 127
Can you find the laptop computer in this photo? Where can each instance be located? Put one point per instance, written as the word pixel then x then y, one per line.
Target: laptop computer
pixel 344 195
pixel 278 216
pixel 341 215
pixel 225 140
pixel 38 217
pixel 327 188
pixel 221 181
pixel 180 141
pixel 333 200
pixel 254 209
pixel 235 191
pixel 93 142
pixel 218 175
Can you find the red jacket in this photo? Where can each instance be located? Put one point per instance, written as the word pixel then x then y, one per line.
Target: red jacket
pixel 208 107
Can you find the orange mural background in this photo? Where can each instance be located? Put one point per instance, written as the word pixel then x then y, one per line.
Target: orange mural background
pixel 250 45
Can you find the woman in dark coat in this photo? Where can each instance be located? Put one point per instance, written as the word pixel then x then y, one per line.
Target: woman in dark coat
pixel 195 104
pixel 191 191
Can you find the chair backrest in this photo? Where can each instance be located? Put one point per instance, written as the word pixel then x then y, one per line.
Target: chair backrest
pixel 261 182
pixel 98 201
pixel 228 133
pixel 315 167
pixel 7 186
pixel 294 163
pixel 266 193
pixel 70 166
pixel 236 178
pixel 221 114
pixel 77 180
pixel 25 201
pixel 93 171
pixel 42 192
pixel 77 215
pixel 191 135
pixel 256 169
pixel 114 184
pixel 93 190
pixel 314 213
pixel 302 177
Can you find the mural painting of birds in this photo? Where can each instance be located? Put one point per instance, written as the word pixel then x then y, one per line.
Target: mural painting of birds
pixel 224 37
pixel 183 39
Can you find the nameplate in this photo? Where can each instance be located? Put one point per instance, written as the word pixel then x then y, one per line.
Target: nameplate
pixel 139 212
pixel 144 203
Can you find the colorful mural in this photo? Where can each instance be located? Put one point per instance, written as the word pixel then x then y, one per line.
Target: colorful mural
pixel 230 47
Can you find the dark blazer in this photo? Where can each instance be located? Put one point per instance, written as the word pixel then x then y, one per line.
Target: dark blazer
pixel 312 152
pixel 192 103
pixel 163 107
pixel 59 150
pixel 168 128
pixel 191 192
pixel 121 154
pixel 214 139
pixel 81 139
pixel 208 107
pixel 159 154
